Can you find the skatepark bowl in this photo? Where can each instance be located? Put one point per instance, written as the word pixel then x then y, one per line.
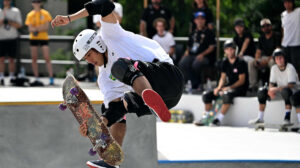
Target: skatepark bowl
pixel 34 133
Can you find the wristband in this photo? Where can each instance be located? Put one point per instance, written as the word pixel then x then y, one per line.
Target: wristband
pixel 69 19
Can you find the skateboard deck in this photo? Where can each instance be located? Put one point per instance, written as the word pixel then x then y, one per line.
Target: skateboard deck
pixel 281 127
pixel 90 123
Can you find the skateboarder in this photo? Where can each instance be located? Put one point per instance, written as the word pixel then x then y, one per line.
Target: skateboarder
pixel 235 69
pixel 283 80
pixel 136 62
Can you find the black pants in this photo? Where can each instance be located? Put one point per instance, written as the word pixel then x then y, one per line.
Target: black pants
pixel 166 79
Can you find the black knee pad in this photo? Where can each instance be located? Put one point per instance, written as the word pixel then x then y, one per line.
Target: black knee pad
pixel 125 71
pixel 286 94
pixel 227 98
pixel 114 113
pixel 295 99
pixel 208 97
pixel 135 104
pixel 262 95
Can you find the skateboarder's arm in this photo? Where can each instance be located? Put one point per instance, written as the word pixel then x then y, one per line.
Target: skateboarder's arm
pixel 102 7
pixel 222 81
pixel 240 82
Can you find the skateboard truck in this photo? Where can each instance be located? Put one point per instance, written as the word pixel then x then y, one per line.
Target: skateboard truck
pixel 99 143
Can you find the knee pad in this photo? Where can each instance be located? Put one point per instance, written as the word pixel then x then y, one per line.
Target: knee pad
pixel 125 71
pixel 262 95
pixel 135 104
pixel 295 99
pixel 227 98
pixel 114 113
pixel 286 94
pixel 208 97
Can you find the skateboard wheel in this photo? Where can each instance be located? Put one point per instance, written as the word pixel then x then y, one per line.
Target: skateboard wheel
pixel 74 91
pixel 92 152
pixel 103 136
pixel 62 107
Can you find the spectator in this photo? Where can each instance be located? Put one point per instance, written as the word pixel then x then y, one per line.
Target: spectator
pixel 10 22
pixel 153 11
pixel 118 12
pixel 202 6
pixel 244 41
pixel 37 21
pixel 235 70
pixel 290 20
pixel 283 79
pixel 199 54
pixel 267 43
pixel 164 38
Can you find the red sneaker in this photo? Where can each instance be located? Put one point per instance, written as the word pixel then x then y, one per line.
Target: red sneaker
pixel 156 103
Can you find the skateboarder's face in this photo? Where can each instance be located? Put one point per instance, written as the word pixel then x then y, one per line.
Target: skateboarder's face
pixel 230 52
pixel 94 57
pixel 280 61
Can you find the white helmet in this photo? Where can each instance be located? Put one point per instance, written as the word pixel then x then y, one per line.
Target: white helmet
pixel 86 40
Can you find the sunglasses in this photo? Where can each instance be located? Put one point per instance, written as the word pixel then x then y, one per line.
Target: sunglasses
pixel 267 25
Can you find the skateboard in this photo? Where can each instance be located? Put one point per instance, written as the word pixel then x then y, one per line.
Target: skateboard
pixel 281 127
pixel 181 116
pixel 91 125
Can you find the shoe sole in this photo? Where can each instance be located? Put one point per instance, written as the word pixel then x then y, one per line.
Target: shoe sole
pixel 156 103
pixel 92 165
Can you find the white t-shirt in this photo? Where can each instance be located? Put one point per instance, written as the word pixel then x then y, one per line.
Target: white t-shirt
pixel 166 42
pixel 12 14
pixel 283 78
pixel 124 44
pixel 109 86
pixel 118 9
pixel 291 27
pixel 129 45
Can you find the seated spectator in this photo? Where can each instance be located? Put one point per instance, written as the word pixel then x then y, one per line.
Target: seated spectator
pixel 283 79
pixel 202 6
pixel 199 54
pixel 37 21
pixel 153 11
pixel 164 38
pixel 244 41
pixel 235 70
pixel 267 43
pixel 10 22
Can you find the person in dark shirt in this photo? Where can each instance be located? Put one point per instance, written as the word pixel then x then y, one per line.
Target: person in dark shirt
pixel 244 40
pixel 153 11
pixel 200 52
pixel 202 6
pixel 268 42
pixel 235 71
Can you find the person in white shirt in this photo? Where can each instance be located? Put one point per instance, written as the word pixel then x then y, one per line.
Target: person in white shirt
pixel 164 38
pixel 138 63
pixel 290 20
pixel 10 22
pixel 283 80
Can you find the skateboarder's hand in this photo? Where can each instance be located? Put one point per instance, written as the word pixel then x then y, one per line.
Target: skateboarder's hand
pixel 60 20
pixel 272 92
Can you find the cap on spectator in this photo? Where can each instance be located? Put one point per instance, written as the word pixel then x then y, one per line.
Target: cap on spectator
pixel 197 14
pixel 36 0
pixel 239 22
pixel 265 21
pixel 289 0
pixel 229 43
